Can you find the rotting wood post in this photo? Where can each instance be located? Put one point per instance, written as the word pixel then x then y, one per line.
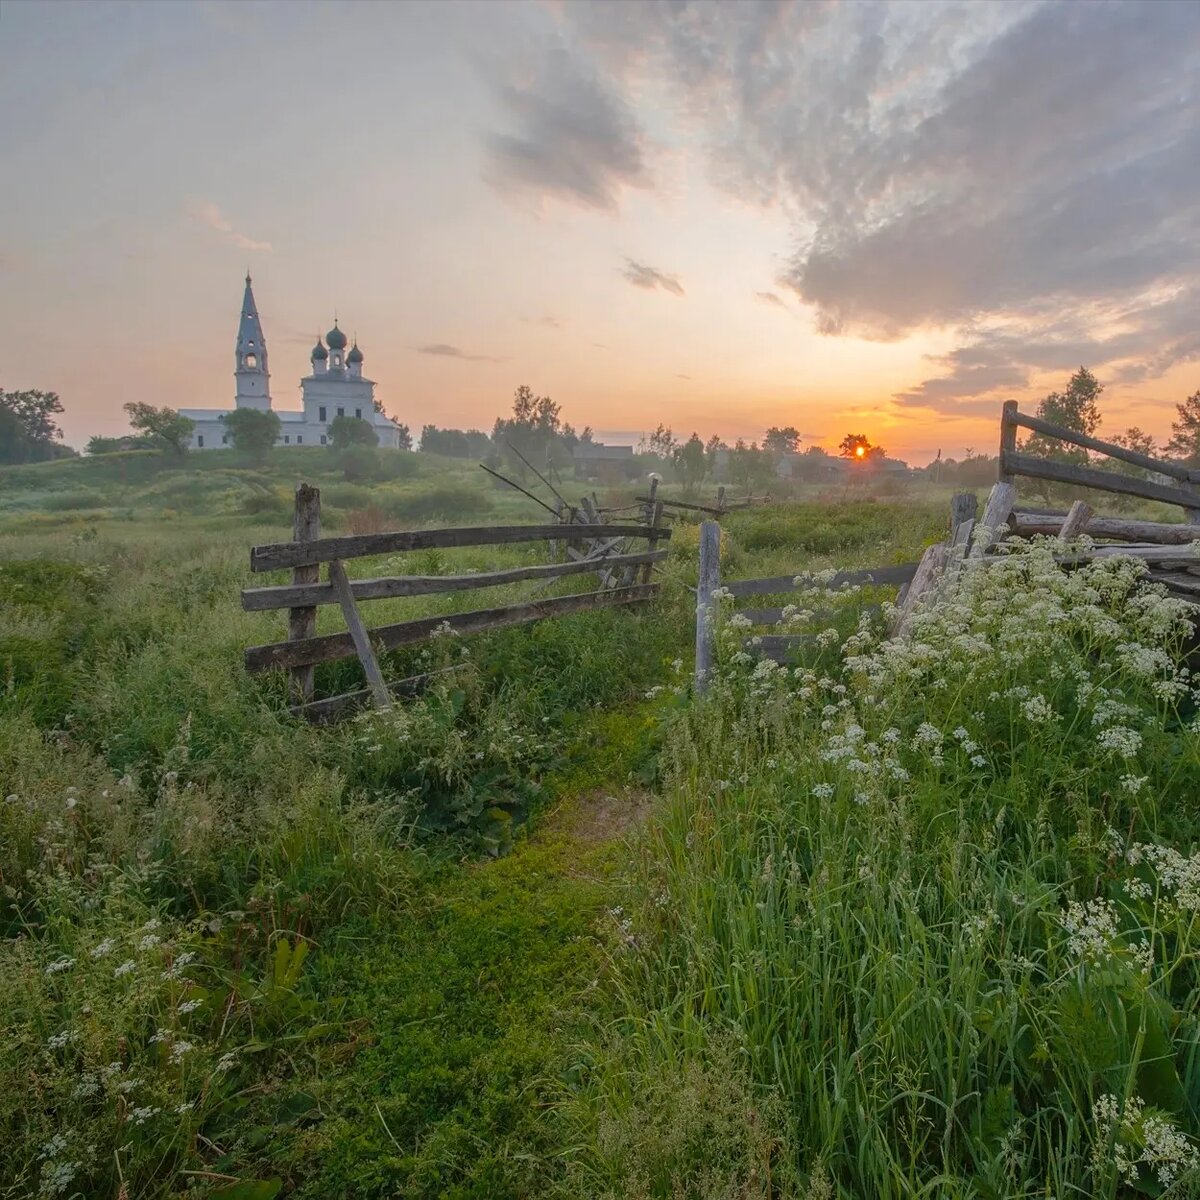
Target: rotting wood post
pixel 721 499
pixel 708 582
pixel 963 507
pixel 359 635
pixel 1077 518
pixel 302 622
pixel 651 500
pixel 996 512
pixel 1008 439
pixel 652 544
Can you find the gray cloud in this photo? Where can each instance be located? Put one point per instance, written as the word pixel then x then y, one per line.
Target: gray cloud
pixel 547 322
pixel 770 298
pixel 1025 174
pixel 573 136
pixel 649 278
pixel 683 377
pixel 445 350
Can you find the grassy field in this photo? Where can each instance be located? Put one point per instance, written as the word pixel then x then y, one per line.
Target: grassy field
pixel 907 920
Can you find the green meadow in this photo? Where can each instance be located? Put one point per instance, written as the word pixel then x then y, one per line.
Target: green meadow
pixel 899 919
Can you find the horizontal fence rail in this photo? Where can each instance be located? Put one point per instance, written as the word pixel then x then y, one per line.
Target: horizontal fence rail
pixel 901 573
pixel 393 587
pixel 1014 462
pixel 362 545
pixel 333 646
pixel 1111 449
pixel 1034 522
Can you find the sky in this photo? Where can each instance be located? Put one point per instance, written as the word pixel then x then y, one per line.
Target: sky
pixel 872 218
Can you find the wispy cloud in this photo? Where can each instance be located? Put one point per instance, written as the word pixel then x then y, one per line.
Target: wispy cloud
pixel 445 350
pixel 573 136
pixel 770 298
pixel 650 278
pixel 547 322
pixel 683 376
pixel 208 214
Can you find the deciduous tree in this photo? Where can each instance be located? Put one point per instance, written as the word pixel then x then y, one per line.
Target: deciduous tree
pixel 854 445
pixel 351 431
pixel 35 411
pixel 691 463
pixel 782 441
pixel 254 431
pixel 166 428
pixel 1185 432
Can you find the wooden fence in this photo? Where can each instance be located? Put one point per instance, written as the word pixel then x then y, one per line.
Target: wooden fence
pixel 626 579
pixel 769 645
pixel 1014 462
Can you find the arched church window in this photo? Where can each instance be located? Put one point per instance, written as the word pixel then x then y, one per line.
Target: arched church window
pixel 251 360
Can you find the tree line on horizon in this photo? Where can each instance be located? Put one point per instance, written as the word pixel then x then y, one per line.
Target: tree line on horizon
pixel 535 436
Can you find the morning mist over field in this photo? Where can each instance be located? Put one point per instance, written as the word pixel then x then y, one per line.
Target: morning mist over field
pixel 721 217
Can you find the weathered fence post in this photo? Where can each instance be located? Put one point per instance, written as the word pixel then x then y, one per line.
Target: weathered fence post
pixel 1008 439
pixel 721 499
pixel 302 622
pixel 963 507
pixel 707 583
pixel 1077 518
pixel 655 517
pixel 651 500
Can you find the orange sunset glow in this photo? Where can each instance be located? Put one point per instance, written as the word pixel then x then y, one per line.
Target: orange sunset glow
pixel 508 193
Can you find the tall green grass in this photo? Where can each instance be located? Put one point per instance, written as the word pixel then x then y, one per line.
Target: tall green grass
pixel 930 903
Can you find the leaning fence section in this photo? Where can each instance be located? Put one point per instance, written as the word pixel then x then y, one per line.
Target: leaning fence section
pixel 777 646
pixel 1152 485
pixel 600 549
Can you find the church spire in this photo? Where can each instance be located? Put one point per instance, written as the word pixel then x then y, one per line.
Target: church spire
pixel 250 356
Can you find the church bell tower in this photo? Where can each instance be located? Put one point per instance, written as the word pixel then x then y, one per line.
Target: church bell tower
pixel 253 378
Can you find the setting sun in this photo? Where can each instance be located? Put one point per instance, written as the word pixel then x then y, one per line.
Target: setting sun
pixel 859 451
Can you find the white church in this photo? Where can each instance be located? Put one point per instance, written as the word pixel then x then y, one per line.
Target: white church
pixel 336 388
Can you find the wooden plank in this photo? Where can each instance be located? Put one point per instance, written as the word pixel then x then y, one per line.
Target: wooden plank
pixel 294 554
pixel 1159 466
pixel 358 634
pixel 1179 582
pixel 871 576
pixel 1031 523
pixel 333 646
pixel 924 582
pixel 302 620
pixel 700 508
pixel 995 514
pixel 391 587
pixel 708 581
pixel 1077 519
pixel 331 708
pixel 1008 438
pixel 1149 554
pixel 1106 481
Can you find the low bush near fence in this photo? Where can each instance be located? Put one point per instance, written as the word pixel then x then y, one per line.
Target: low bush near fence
pixel 934 903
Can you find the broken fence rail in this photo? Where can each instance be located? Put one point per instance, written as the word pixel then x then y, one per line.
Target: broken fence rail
pixel 304 648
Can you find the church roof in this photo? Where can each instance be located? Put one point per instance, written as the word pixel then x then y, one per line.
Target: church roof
pixel 336 338
pixel 250 334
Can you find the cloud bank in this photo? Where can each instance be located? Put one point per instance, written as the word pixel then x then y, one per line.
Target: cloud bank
pixel 1025 175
